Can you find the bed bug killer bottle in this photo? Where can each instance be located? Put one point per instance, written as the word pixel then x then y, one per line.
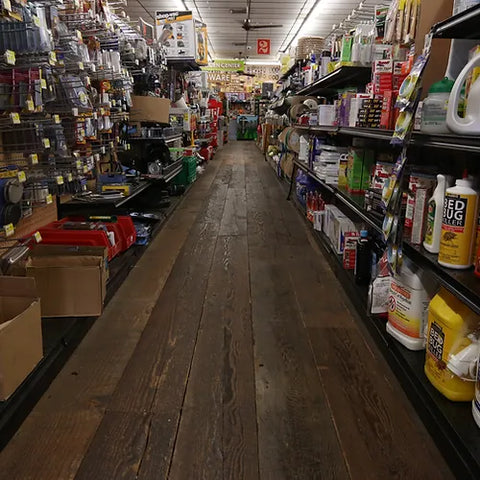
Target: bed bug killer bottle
pixel 458 226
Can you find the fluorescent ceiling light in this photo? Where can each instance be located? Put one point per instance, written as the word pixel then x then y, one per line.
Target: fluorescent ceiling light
pixel 314 11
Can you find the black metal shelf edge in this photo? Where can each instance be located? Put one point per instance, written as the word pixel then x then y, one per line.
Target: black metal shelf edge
pixel 464 25
pixel 342 77
pixel 446 141
pixel 462 283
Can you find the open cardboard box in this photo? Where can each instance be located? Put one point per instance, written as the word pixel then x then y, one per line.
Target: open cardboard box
pixel 20 332
pixel 150 109
pixel 71 281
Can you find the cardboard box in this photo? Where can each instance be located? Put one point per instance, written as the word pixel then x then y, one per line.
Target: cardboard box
pixel 71 281
pixel 20 332
pixel 150 109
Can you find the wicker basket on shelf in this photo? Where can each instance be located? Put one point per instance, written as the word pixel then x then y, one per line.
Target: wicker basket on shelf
pixel 308 45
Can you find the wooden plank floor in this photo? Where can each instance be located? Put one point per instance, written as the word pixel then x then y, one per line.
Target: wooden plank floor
pixel 229 353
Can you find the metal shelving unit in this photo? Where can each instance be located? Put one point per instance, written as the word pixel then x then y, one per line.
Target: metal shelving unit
pixel 450 423
pixel 419 139
pixel 463 25
pixel 342 77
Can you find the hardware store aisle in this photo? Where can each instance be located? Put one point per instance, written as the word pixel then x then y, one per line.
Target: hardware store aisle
pixel 229 352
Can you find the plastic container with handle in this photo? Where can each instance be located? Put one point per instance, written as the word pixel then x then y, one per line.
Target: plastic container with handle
pixel 470 124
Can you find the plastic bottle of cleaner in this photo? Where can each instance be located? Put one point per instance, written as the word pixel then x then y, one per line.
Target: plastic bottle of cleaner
pixel 476 399
pixel 458 226
pixel 435 214
pixel 449 346
pixel 408 306
pixel 470 123
pixel 363 259
pixel 434 111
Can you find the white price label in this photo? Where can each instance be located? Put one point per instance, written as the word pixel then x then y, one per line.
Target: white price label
pixel 49 199
pixel 75 112
pixel 22 177
pixel 30 106
pixel 34 159
pixel 59 179
pixel 69 177
pixel 37 236
pixel 43 83
pixel 85 169
pixel 46 142
pixel 56 119
pixel 15 118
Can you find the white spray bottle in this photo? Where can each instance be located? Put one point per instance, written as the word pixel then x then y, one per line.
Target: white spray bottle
pixel 433 229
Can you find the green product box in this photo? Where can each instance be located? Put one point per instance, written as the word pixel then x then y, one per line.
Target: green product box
pixel 355 169
pixel 368 164
pixel 347 44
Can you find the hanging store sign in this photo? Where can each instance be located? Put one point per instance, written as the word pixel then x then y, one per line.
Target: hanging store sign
pixel 176 31
pixel 219 77
pixel 263 46
pixel 201 56
pixel 225 66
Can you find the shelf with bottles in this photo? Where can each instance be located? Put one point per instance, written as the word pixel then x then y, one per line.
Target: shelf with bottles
pixel 450 422
pixel 470 144
pixel 344 76
pixel 463 25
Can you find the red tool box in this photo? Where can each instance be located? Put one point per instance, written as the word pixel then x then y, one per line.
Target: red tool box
pixel 76 231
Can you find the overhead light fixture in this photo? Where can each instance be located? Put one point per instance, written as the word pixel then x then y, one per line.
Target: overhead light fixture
pixel 313 11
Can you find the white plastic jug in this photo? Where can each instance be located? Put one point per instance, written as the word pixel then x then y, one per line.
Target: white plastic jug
pixel 470 125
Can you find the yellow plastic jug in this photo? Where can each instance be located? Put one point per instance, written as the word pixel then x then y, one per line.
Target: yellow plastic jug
pixel 451 353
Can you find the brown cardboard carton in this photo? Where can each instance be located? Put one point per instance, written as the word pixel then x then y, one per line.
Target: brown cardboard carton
pixel 150 109
pixel 69 285
pixel 20 332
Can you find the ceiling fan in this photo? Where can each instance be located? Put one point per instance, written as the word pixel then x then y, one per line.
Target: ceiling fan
pixel 247 24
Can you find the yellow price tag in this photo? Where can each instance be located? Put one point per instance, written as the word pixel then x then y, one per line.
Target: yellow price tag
pixel 15 118
pixel 80 66
pixel 36 21
pixel 9 229
pixel 37 236
pixel 7 5
pixel 46 142
pixel 10 57
pixel 53 58
pixel 30 106
pixel 22 177
pixel 69 177
pixel 49 199
pixel 43 83
pixel 79 164
pixel 34 159
pixel 102 111
pixel 79 35
pixel 59 179
pixel 111 144
pixel 85 169
pixel 113 103
pixel 56 119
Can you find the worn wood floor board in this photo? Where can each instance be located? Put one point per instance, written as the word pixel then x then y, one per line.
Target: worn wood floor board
pixel 297 438
pixel 219 408
pixel 375 423
pixel 159 368
pixel 301 442
pixel 234 221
